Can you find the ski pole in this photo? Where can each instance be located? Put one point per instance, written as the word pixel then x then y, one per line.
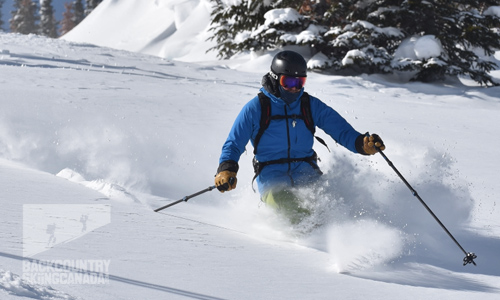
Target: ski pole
pixel 469 256
pixel 224 187
pixel 186 198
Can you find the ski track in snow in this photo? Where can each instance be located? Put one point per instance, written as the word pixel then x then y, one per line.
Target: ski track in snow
pixel 126 129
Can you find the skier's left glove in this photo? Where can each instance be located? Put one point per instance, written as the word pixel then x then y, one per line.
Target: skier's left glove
pixel 371 143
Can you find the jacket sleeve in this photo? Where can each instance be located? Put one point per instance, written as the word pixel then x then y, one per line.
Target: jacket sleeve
pixel 241 132
pixel 336 126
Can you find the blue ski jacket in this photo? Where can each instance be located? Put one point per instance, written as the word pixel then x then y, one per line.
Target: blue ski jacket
pixel 285 138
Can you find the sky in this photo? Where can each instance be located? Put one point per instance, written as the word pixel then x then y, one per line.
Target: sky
pixel 93 139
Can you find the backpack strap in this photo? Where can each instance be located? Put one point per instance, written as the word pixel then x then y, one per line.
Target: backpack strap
pixel 305 108
pixel 265 119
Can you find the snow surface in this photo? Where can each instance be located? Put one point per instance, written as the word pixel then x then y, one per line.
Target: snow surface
pixel 88 125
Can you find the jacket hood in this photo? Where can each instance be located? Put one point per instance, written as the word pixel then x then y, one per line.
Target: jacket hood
pixel 271 85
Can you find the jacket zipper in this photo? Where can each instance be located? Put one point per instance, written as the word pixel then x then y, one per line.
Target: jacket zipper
pixel 289 172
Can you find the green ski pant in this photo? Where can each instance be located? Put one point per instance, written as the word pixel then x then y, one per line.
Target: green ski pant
pixel 287 204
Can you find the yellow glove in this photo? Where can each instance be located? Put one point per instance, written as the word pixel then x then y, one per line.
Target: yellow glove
pixel 372 141
pixel 225 181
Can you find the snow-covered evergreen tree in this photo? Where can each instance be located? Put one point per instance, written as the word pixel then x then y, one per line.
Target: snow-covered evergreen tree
pixel 91 5
pixel 458 26
pixel 366 36
pixel 67 22
pixel 1 19
pixel 24 17
pixel 48 23
pixel 78 12
pixel 72 16
pixel 245 25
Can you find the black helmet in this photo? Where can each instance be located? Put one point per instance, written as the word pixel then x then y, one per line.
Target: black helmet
pixel 289 63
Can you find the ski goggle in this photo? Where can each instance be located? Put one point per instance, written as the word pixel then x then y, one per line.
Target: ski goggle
pixel 291 82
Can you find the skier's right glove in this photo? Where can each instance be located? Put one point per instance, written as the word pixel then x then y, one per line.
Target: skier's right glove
pixel 225 181
pixel 371 143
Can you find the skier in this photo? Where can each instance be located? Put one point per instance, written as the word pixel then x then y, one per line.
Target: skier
pixel 280 123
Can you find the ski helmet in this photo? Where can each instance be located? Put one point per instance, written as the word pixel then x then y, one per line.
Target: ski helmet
pixel 289 63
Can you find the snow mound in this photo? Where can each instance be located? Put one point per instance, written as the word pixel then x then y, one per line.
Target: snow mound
pixel 14 285
pixel 424 47
pixel 110 190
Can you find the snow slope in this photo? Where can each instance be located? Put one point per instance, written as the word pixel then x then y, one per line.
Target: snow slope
pixel 165 28
pixel 98 138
